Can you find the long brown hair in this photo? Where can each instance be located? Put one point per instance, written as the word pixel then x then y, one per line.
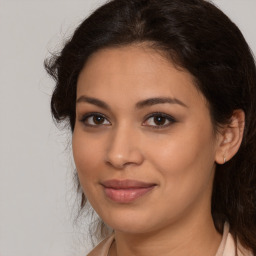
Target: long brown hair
pixel 196 36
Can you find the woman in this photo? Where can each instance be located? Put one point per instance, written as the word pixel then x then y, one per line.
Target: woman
pixel 159 96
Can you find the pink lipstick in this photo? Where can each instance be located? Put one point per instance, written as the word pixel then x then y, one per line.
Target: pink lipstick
pixel 126 191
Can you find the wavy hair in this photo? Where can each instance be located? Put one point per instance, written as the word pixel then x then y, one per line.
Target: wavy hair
pixel 197 36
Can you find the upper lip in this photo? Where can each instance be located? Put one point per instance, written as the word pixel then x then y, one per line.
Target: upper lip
pixel 126 184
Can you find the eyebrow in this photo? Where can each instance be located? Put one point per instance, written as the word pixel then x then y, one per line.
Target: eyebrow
pixel 139 105
pixel 93 101
pixel 154 101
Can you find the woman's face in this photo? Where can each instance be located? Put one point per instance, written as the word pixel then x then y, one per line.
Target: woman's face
pixel 143 141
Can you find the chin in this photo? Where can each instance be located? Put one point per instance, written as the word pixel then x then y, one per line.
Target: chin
pixel 132 222
pixel 131 227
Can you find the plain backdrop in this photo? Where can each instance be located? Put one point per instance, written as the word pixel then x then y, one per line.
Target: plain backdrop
pixel 37 196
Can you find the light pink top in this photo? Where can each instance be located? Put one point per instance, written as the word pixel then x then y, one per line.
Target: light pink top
pixel 227 246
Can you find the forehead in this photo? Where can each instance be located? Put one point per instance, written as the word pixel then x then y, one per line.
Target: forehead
pixel 138 71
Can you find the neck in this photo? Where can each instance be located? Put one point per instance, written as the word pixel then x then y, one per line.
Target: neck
pixel 198 238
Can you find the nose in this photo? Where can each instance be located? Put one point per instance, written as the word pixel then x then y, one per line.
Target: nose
pixel 123 148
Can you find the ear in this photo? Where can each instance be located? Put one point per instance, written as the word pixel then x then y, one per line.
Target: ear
pixel 230 137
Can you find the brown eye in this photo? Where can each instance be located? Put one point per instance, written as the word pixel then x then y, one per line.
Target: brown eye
pixel 95 120
pixel 159 120
pixel 98 119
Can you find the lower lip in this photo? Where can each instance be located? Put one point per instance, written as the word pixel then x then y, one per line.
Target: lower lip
pixel 126 195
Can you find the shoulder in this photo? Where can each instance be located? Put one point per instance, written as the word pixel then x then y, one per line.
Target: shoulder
pixel 243 251
pixel 229 247
pixel 103 247
pixel 236 249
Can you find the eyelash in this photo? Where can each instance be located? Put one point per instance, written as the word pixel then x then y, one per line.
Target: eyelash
pixel 168 118
pixel 85 118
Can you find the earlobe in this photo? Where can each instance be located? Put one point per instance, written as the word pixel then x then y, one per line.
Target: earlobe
pixel 230 137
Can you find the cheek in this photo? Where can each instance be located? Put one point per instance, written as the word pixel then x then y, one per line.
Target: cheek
pixel 185 162
pixel 87 152
pixel 87 155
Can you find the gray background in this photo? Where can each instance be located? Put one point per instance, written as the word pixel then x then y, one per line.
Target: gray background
pixel 36 188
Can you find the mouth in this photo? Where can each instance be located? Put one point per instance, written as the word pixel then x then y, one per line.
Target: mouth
pixel 126 191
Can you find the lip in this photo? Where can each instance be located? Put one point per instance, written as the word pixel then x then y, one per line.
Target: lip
pixel 126 191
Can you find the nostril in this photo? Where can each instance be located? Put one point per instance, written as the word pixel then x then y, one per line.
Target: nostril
pixel 123 150
pixel 120 161
pixel 117 162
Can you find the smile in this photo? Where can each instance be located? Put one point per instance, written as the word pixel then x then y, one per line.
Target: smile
pixel 126 191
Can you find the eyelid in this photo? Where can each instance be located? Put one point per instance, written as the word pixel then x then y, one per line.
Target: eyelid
pixel 91 114
pixel 170 118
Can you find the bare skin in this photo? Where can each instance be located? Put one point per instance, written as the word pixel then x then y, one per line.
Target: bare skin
pixel 168 143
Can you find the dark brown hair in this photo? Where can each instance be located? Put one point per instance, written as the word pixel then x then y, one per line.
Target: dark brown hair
pixel 196 36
